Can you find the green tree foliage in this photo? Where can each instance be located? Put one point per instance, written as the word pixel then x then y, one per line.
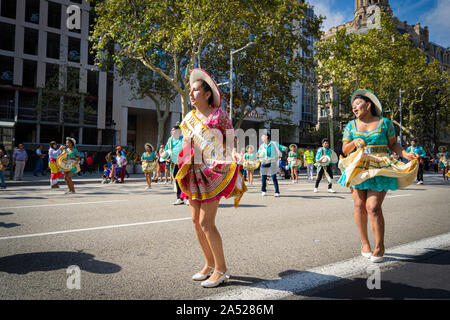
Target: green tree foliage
pixel 385 62
pixel 171 37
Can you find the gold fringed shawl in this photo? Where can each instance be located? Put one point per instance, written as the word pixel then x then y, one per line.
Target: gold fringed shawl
pixel 360 166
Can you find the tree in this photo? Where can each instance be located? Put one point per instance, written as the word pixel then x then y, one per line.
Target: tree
pixel 145 83
pixel 383 61
pixel 62 92
pixel 171 37
pixel 152 32
pixel 265 73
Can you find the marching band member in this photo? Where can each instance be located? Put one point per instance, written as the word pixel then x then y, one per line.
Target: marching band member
pixel 268 153
pixel 172 150
pixel 325 158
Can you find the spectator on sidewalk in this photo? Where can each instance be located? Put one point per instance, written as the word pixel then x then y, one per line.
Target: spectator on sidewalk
pixel 3 164
pixel 20 158
pixel 121 164
pixel 39 167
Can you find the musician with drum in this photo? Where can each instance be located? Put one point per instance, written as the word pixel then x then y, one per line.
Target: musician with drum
pixel 325 158
pixel 69 163
pixel 149 164
pixel 269 152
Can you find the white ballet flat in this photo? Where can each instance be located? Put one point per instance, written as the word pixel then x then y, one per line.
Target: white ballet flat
pixel 201 276
pixel 376 259
pixel 212 284
pixel 366 254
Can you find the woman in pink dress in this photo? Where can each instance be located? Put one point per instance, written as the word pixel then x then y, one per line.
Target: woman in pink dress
pixel 208 171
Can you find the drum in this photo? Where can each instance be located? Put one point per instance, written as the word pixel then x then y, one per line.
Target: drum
pixel 149 166
pixel 324 160
pixel 66 164
pixel 166 155
pixel 264 159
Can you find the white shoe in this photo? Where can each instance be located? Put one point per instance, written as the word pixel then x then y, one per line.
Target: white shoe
pixel 178 202
pixel 366 254
pixel 420 182
pixel 331 191
pixel 187 202
pixel 201 276
pixel 376 259
pixel 165 182
pixel 263 194
pixel 316 190
pixel 212 284
pixel 277 195
pixel 148 188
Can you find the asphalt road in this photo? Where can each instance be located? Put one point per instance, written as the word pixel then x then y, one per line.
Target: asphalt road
pixel 128 243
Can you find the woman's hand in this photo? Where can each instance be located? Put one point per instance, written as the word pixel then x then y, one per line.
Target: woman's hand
pixel 409 155
pixel 236 156
pixel 359 143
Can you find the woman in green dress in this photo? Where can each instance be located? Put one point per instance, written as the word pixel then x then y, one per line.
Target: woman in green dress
pixel 72 153
pixel 444 161
pixel 370 171
pixel 294 162
pixel 148 159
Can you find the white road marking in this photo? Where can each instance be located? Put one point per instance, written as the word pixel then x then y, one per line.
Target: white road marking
pixel 62 204
pixel 399 195
pixel 310 279
pixel 92 229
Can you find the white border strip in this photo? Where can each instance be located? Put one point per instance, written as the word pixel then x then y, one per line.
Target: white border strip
pixel 61 204
pixel 309 279
pixel 91 229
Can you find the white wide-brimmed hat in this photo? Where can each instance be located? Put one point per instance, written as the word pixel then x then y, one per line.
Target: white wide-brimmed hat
pixel 371 96
pixel 71 140
pixel 200 74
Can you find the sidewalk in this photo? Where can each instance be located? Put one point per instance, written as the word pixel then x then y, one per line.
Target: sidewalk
pixel 30 180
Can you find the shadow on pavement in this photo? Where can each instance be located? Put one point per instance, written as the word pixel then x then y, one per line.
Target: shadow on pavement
pixel 50 261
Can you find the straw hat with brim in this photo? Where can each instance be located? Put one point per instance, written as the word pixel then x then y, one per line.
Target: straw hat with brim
pixel 53 142
pixel 150 145
pixel 442 147
pixel 371 96
pixel 72 140
pixel 199 74
pixel 293 145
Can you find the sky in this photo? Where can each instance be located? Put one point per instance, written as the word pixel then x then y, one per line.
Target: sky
pixel 432 13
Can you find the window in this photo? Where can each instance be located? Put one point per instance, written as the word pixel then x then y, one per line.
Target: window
pixel 32 11
pixel 27 105
pixel 8 9
pixel 53 41
pixel 54 15
pixel 6 70
pixel 92 83
pixel 29 73
pixel 30 41
pixel 73 79
pixel 8 35
pixel 51 74
pixel 73 53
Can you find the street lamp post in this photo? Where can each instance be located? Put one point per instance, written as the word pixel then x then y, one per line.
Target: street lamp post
pixel 231 75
